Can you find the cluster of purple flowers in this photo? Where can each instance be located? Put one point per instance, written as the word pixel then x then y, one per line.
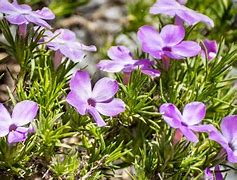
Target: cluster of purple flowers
pixel 122 60
pixel 167 44
pixel 82 97
pixel 62 41
pixel 22 15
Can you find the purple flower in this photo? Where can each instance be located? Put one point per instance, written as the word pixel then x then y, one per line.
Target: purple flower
pixel 228 138
pixel 13 126
pixel 209 174
pixel 211 49
pixel 23 14
pixel 122 60
pixel 187 122
pixel 64 41
pixel 168 43
pixel 173 8
pixel 99 100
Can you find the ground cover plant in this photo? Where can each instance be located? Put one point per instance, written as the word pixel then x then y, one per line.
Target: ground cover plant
pixel 166 109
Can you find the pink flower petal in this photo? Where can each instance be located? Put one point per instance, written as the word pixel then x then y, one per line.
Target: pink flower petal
pixel 231 155
pixel 5 121
pixel 120 53
pixel 211 48
pixel 173 8
pixel 111 108
pixel 229 127
pixel 194 113
pixel 172 34
pixel 165 7
pixel 219 138
pixel 64 34
pixel 208 128
pixel 192 17
pixel 74 99
pixel 72 52
pixel 19 135
pixel 98 119
pixel 45 13
pixel 189 134
pixel 17 19
pixel 33 18
pixel 186 49
pixel 150 72
pixel 110 66
pixel 150 40
pixel 24 112
pixel 171 115
pixel 81 84
pixel 104 89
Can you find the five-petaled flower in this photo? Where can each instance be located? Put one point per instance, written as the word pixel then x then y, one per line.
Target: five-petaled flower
pixel 14 126
pixel 122 60
pixel 98 100
pixel 22 14
pixel 168 43
pixel 187 122
pixel 228 138
pixel 64 41
pixel 173 8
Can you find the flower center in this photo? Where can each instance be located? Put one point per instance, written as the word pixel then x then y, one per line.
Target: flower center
pixel 91 102
pixel 184 124
pixel 166 49
pixel 12 127
pixel 232 147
